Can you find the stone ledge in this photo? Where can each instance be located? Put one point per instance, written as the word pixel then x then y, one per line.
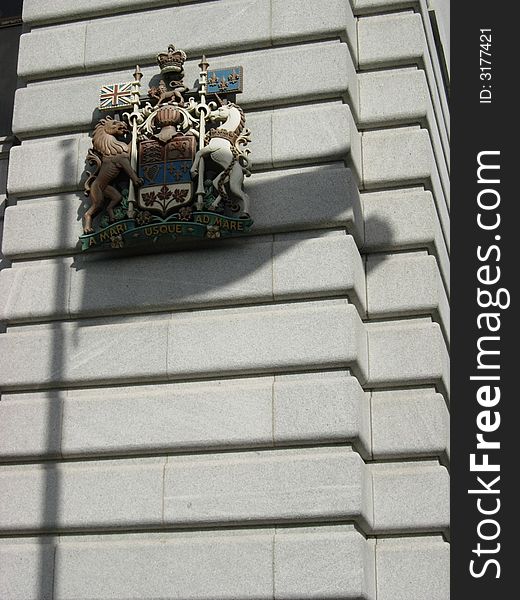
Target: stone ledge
pixel 404 219
pixel 408 423
pixel 406 284
pixel 103 43
pixel 281 410
pixel 283 200
pixel 277 77
pixel 58 163
pixel 423 563
pixel 259 564
pixel 409 352
pixel 206 490
pixel 404 156
pixel 255 270
pixel 260 339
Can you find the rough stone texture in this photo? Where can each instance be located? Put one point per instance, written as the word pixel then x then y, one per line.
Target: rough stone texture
pixel 369 6
pixel 403 219
pixel 281 338
pixel 333 408
pixel 223 566
pixel 102 43
pixel 407 353
pixel 331 263
pixel 390 39
pixel 111 494
pixel 336 563
pixel 259 564
pixel 42 11
pixel 409 423
pixel 411 568
pixel 407 100
pixel 275 77
pixel 31 425
pixel 406 38
pixel 84 352
pixel 410 497
pixel 296 20
pixel 61 231
pixel 284 200
pixel 26 567
pixel 34 293
pixel 249 340
pixel 406 284
pixel 314 408
pixel 54 166
pixel 405 155
pixel 59 162
pixel 286 485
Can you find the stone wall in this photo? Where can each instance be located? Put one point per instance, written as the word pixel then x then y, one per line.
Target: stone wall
pixel 264 418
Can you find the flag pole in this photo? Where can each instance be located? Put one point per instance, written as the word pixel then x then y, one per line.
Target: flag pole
pixel 203 112
pixel 133 117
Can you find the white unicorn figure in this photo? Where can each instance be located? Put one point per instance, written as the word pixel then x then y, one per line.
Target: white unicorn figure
pixel 225 147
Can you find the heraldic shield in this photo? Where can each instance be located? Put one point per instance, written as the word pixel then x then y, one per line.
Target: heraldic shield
pixel 165 171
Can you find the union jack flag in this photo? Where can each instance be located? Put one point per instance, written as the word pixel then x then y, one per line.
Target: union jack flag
pixel 117 95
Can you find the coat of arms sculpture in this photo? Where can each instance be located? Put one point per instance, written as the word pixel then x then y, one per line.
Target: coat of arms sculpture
pixel 169 165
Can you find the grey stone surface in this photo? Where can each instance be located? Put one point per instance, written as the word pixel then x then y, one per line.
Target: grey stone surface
pixel 283 200
pixel 68 50
pixel 59 162
pixel 370 6
pixel 246 340
pixel 410 568
pixel 404 156
pixel 406 284
pixel 402 219
pixel 315 408
pixel 275 77
pixel 35 292
pixel 274 486
pixel 54 166
pixel 390 39
pixel 42 11
pixel 407 353
pixel 254 564
pixel 393 96
pixel 288 337
pixel 180 417
pixel 409 423
pixel 223 567
pixel 187 279
pixel 331 263
pixel 337 562
pixel 84 352
pixel 60 234
pixel 410 497
pixel 296 19
pixel 242 24
pixel 103 42
pixel 31 425
pixel 329 134
pixel 406 100
pixel 26 568
pixel 81 495
pixel 327 409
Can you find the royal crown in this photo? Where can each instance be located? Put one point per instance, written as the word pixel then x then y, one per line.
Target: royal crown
pixel 173 60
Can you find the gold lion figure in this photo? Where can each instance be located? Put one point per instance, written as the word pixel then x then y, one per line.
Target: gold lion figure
pixel 110 156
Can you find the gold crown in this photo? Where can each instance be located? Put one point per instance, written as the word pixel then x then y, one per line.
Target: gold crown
pixel 173 60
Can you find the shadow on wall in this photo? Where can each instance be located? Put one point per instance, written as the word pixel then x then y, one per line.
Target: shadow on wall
pixel 224 275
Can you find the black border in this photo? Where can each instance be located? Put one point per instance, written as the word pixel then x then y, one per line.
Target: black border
pixel 478 127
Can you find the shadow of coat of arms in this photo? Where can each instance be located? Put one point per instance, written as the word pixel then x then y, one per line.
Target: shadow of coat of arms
pixel 171 164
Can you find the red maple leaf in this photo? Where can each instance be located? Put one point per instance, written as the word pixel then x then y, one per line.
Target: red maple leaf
pixel 165 193
pixel 149 198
